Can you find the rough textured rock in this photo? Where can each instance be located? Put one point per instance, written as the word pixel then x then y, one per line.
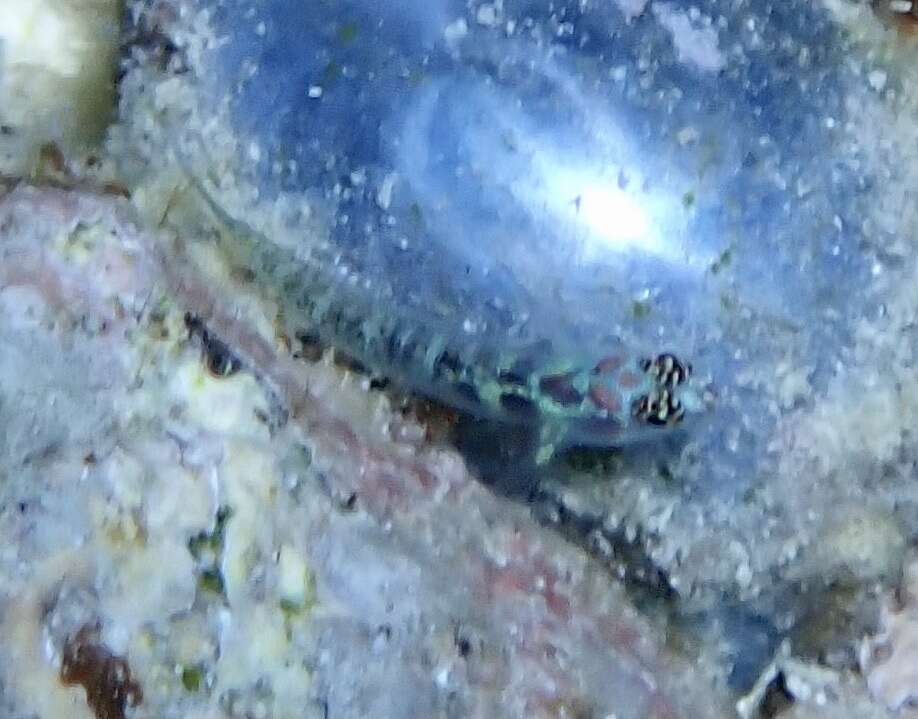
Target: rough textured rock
pixel 269 540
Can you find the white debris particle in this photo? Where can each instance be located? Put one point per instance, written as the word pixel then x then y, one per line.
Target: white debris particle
pixel 687 135
pixel 877 79
pixel 803 59
pixel 744 575
pixel 798 687
pixel 900 5
pixel 261 29
pixel 315 91
pixel 565 29
pixel 456 30
pixel 487 15
pixel 384 196
pixel 804 188
pixel 793 384
pixel 789 551
pixel 696 43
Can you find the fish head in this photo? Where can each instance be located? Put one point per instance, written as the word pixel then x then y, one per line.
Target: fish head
pixel 653 391
pixel 671 393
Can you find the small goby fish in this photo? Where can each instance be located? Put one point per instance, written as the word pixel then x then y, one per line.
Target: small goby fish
pixel 611 401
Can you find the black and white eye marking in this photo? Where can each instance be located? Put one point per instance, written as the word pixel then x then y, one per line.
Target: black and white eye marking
pixel 658 408
pixel 667 369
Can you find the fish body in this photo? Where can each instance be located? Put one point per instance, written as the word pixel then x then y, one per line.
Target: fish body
pixel 613 400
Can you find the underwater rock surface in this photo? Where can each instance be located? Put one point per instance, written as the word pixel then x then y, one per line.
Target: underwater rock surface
pixel 266 539
pixel 568 181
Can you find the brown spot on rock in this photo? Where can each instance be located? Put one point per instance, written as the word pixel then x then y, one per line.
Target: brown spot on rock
pixel 105 676
pixel 905 21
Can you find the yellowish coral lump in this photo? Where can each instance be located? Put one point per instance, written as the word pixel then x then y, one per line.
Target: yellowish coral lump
pixel 58 61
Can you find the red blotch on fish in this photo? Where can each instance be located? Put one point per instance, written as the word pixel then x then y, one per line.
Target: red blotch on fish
pixel 609 364
pixel 605 398
pixel 560 388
